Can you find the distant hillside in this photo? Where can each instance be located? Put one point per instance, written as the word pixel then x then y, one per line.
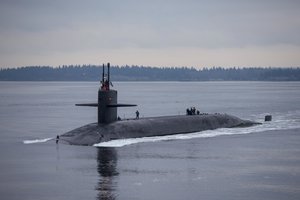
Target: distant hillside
pixel 140 73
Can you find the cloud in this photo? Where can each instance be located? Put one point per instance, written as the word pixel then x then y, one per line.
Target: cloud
pixel 41 29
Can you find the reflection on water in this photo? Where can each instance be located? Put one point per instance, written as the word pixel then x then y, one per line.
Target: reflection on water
pixel 107 169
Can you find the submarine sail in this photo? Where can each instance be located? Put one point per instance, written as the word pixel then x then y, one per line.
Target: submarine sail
pixel 107 100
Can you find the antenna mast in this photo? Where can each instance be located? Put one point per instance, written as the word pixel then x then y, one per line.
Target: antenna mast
pixel 108 74
pixel 103 73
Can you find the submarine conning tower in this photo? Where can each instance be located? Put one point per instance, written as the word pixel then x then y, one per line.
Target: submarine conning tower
pixel 107 113
pixel 107 100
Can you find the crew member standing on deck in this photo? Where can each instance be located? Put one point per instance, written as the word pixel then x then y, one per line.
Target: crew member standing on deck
pixel 137 113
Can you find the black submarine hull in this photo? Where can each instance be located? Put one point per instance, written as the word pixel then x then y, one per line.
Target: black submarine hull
pixel 94 133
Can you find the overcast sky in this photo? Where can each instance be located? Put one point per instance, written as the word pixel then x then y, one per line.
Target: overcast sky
pixel 195 33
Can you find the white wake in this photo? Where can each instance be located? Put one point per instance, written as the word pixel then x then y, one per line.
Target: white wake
pixel 36 141
pixel 290 120
pixel 281 122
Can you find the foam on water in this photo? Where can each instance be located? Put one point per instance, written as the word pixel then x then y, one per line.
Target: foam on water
pixel 289 120
pixel 36 141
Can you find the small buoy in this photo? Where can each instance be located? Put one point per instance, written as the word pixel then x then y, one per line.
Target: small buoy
pixel 268 118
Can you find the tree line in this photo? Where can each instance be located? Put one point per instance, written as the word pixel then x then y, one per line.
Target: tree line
pixel 142 73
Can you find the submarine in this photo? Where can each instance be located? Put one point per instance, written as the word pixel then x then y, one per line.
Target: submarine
pixel 110 127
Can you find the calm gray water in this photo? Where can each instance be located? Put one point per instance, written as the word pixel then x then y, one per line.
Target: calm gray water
pixel 220 164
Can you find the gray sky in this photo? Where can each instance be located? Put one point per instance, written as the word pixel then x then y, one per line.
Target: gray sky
pixel 155 32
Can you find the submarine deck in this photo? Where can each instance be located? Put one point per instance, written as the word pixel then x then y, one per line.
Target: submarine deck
pixel 151 126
